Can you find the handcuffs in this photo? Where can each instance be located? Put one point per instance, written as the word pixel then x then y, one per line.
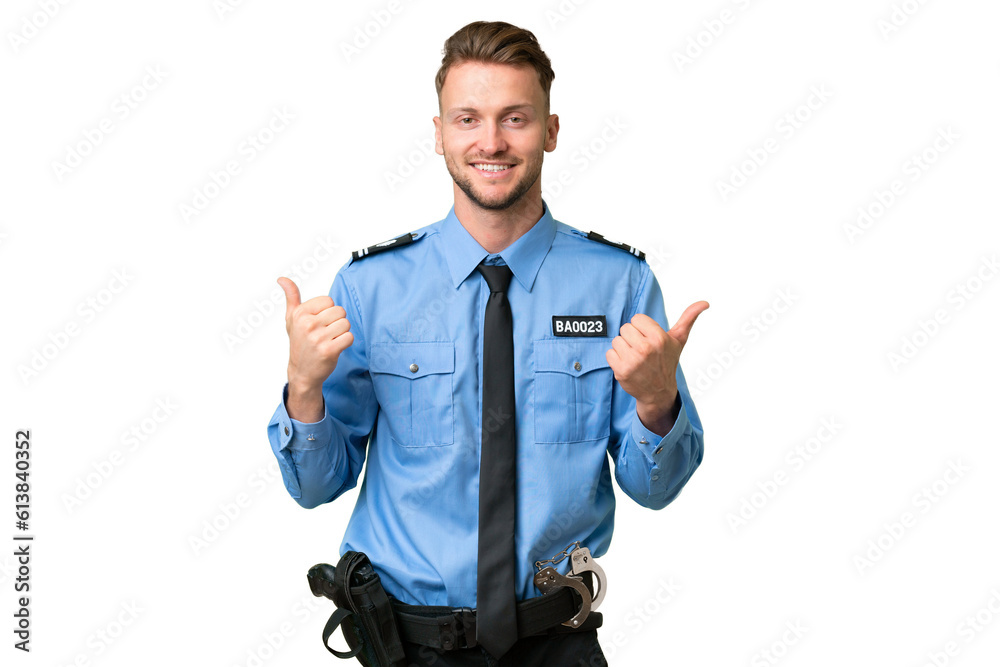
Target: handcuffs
pixel 591 589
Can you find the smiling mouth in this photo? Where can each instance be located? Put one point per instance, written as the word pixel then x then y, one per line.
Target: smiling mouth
pixel 491 168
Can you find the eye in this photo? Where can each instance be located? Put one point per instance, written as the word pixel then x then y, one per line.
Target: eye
pixel 461 121
pixel 517 118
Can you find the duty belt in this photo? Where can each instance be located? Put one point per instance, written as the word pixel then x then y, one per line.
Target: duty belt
pixel 455 628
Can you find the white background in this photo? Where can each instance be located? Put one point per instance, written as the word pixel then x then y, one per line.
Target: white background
pixel 815 552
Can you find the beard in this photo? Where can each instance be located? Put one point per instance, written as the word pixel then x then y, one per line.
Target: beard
pixel 532 171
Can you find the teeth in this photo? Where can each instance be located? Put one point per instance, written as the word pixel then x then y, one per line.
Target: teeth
pixel 492 167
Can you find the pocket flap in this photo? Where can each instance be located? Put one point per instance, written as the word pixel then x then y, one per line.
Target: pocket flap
pixel 413 360
pixel 574 357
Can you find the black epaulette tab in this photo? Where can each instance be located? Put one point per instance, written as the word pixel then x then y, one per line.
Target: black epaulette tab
pixel 594 236
pixel 391 244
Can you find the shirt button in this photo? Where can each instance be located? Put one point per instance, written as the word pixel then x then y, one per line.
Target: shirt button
pixel 576 366
pixel 658 449
pixel 643 441
pixel 414 368
pixel 286 430
pixel 655 477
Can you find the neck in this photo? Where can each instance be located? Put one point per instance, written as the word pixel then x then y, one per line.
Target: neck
pixel 495 230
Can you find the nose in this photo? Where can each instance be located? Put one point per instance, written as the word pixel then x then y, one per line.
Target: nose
pixel 491 139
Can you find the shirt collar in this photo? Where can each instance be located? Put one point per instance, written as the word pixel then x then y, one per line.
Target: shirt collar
pixel 524 256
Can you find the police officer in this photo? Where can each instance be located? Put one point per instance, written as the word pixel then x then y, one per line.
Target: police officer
pixel 390 366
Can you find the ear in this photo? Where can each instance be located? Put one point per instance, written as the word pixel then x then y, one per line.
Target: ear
pixel 551 132
pixel 438 143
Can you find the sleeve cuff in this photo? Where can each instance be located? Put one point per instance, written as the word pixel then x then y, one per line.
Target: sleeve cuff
pixel 300 436
pixel 656 447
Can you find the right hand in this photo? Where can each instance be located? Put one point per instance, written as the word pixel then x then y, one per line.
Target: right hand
pixel 318 331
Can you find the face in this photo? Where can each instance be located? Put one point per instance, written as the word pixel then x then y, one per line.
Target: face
pixel 493 132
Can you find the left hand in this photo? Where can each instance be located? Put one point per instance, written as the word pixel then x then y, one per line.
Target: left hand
pixel 644 359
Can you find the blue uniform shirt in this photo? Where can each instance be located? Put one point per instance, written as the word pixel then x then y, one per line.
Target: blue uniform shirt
pixel 411 380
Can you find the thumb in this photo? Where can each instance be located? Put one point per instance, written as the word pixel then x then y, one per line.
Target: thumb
pixel 292 296
pixel 682 327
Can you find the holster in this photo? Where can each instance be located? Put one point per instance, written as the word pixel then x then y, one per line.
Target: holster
pixel 363 611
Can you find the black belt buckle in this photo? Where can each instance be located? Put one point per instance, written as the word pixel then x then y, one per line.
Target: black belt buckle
pixel 460 631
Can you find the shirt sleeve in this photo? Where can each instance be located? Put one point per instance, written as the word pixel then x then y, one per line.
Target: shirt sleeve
pixel 320 461
pixel 649 468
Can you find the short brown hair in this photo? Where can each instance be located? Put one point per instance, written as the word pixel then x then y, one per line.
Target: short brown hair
pixel 495 42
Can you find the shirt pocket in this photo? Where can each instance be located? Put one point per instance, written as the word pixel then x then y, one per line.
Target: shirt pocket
pixel 572 394
pixel 414 387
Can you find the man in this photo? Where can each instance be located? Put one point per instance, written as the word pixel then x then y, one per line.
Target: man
pixel 487 365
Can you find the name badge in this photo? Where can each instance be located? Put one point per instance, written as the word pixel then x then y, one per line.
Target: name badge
pixel 579 325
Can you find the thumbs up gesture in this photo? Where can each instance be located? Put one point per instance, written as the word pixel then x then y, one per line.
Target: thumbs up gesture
pixel 318 331
pixel 644 359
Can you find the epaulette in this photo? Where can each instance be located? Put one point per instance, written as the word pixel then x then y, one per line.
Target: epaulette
pixel 594 236
pixel 391 244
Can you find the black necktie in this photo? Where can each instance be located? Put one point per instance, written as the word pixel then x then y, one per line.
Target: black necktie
pixel 496 615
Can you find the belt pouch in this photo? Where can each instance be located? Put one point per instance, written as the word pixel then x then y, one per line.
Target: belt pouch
pixel 364 614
